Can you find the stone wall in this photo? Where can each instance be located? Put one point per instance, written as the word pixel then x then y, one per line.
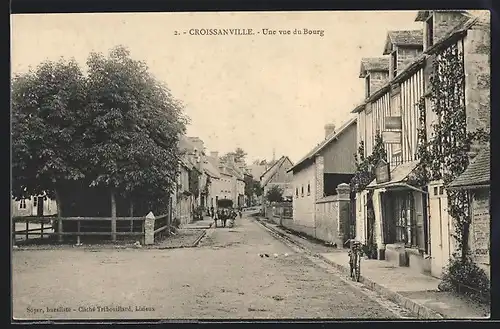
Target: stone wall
pixel 332 216
pixel 377 80
pixel 444 22
pixel 480 228
pixel 406 55
pixel 477 50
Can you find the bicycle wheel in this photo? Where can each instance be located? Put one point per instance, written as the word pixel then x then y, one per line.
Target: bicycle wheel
pixel 357 272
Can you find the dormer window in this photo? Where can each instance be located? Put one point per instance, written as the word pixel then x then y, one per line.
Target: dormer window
pixel 429 29
pixel 394 61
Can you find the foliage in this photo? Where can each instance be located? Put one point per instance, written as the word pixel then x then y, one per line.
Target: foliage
pixel 252 187
pixel 445 155
pixel 239 155
pixel 365 166
pixel 208 183
pixel 258 188
pixel 194 182
pixel 459 275
pixel 115 128
pixel 275 194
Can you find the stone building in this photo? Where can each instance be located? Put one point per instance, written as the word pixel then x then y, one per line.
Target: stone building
pixel 411 225
pixel 316 180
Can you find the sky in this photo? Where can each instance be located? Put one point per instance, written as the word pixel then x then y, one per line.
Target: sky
pixel 263 93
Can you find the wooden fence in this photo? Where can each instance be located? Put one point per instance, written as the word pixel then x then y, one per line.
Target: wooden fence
pixel 149 227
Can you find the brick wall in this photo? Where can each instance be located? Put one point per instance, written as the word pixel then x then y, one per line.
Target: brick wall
pixel 320 166
pixel 477 47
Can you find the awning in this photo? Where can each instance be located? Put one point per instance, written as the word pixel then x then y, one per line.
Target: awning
pixel 399 178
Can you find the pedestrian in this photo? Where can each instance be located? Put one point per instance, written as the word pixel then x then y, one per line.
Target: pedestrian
pixel 216 217
pixel 212 212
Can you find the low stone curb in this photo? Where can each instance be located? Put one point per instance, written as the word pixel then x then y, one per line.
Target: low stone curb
pixel 418 309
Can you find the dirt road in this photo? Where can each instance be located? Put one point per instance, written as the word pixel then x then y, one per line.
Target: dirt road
pixel 222 278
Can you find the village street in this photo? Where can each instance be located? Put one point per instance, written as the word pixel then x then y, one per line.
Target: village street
pixel 224 277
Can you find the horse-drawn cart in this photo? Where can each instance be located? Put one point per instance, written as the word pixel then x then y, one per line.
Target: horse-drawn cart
pixel 225 213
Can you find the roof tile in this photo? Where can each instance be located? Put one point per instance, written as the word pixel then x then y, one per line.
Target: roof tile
pixel 478 171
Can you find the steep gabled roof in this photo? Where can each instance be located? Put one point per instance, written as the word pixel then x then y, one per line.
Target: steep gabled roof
pixel 210 167
pixel 324 143
pixel 373 64
pixel 269 174
pixel 477 173
pixel 403 38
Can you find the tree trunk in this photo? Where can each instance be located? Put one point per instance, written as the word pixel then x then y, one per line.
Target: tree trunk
pixel 113 215
pixel 59 215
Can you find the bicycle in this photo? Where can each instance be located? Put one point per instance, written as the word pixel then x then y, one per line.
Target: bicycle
pixel 355 253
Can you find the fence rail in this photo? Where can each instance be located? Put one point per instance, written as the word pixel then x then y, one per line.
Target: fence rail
pixel 91 226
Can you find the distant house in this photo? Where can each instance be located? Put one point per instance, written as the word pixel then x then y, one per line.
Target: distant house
pixel 278 175
pixel 40 205
pixel 316 178
pixel 476 180
pixel 185 199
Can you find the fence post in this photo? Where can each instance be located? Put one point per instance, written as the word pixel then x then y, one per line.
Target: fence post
pixel 60 228
pixel 78 223
pixel 27 229
pixel 149 229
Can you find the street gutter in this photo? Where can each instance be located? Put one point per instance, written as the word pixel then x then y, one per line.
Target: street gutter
pixel 416 308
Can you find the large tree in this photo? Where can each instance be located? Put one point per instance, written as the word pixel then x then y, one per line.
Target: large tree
pixel 275 194
pixel 115 129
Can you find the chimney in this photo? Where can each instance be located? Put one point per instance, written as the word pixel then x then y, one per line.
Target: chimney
pixel 230 159
pixel 329 129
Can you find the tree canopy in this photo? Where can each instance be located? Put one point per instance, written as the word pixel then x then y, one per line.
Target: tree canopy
pixel 116 127
pixel 239 155
pixel 275 194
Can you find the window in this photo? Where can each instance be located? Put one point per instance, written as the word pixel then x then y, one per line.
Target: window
pixel 297 192
pixel 22 204
pixel 308 189
pixel 35 201
pixel 302 190
pixel 367 86
pixel 406 226
pixel 430 31
pixel 394 59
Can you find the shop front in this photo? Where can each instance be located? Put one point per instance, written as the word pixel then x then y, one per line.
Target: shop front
pixel 400 219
